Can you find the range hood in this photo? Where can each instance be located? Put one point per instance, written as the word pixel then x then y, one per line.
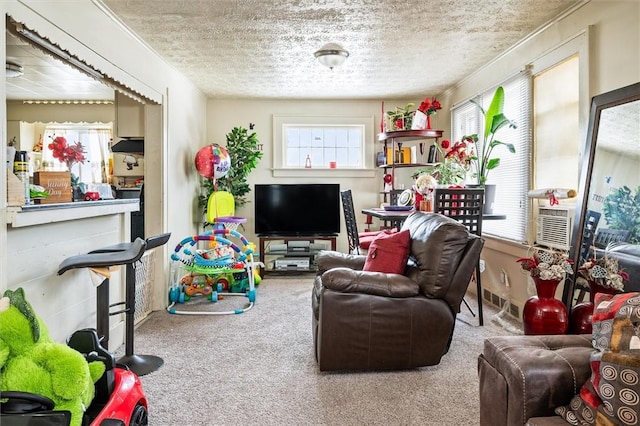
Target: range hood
pixel 129 146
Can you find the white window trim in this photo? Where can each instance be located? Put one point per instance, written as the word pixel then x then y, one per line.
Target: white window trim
pixel 279 169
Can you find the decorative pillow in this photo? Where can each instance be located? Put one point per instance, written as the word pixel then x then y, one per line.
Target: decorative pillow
pixel 612 395
pixel 366 238
pixel 388 253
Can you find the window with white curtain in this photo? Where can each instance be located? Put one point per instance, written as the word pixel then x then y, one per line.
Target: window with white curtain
pixel 512 176
pixel 95 140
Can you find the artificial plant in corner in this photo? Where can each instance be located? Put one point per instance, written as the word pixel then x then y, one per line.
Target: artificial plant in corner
pixel 242 147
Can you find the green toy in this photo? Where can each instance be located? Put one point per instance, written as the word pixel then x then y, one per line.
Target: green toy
pixel 30 361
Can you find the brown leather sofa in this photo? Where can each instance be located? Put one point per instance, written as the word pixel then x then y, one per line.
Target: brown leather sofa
pixel 524 378
pixel 376 321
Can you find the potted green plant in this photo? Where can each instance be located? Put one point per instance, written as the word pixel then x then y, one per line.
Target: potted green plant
pixel 243 148
pixel 453 163
pixel 622 210
pixel 483 161
pixel 401 118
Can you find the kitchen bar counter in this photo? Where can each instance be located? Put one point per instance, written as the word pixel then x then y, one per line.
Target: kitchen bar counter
pixel 39 214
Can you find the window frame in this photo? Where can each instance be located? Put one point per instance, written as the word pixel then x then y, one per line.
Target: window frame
pixel 281 122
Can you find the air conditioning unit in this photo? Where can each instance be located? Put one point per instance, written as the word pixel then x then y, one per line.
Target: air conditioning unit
pixel 554 226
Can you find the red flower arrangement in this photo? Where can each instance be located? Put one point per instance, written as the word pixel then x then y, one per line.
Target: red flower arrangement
pixel 604 272
pixel 546 264
pixel 67 154
pixel 429 106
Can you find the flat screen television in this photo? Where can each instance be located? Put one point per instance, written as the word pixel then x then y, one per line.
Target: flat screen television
pixel 297 209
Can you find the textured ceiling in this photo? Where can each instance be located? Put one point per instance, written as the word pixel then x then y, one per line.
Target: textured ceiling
pixel 398 49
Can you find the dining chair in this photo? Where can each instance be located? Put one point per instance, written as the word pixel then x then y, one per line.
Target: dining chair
pixel 464 205
pixel 357 240
pixel 588 234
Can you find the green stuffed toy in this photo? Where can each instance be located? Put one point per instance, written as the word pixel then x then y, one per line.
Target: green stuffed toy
pixel 30 361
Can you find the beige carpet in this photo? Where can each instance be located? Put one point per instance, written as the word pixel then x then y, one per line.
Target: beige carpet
pixel 258 368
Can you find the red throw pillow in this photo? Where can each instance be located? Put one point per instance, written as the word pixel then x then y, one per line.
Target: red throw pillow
pixel 389 253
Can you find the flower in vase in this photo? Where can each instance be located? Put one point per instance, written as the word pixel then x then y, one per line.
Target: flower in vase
pixel 604 272
pixel 454 164
pixel 429 106
pixel 67 154
pixel 546 264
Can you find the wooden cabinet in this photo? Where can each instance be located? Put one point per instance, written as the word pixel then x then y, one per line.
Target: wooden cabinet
pixel 129 117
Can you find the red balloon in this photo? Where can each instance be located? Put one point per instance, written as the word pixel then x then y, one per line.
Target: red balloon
pixel 212 161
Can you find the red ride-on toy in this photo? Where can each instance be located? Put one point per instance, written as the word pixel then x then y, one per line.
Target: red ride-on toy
pixel 119 398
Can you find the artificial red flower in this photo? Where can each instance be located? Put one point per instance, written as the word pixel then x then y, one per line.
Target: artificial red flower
pixel 445 143
pixel 68 154
pixel 429 106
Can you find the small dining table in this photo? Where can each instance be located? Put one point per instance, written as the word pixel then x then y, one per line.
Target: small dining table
pixel 397 217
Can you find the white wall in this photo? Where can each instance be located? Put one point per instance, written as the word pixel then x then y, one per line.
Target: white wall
pixel 223 115
pixel 177 129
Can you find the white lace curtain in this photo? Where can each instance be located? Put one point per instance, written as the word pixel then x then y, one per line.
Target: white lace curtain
pixel 95 141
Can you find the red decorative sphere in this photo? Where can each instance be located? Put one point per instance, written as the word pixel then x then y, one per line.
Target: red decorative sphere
pixel 213 161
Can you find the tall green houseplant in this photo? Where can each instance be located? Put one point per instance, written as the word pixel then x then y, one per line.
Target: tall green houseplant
pixel 495 120
pixel 242 147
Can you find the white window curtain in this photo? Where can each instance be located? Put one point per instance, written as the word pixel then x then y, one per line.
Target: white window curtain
pixel 95 141
pixel 512 177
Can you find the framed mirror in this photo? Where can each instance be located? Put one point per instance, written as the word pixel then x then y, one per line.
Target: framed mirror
pixel 607 217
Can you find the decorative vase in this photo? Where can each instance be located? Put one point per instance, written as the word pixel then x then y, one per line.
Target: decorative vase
pixel 489 196
pixel 428 122
pixel 544 314
pixel 580 320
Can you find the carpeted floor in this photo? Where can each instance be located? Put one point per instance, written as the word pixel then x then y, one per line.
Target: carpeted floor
pixel 258 368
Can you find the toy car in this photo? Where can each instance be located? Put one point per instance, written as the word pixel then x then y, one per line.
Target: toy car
pixel 119 398
pixel 91 196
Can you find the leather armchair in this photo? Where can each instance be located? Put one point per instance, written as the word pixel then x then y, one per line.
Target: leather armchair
pixel 376 321
pixel 524 378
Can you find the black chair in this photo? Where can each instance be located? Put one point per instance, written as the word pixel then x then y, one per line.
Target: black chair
pixel 357 241
pixel 465 206
pixel 604 237
pixel 588 234
pixel 350 221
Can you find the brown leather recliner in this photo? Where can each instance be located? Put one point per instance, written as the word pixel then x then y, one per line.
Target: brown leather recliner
pixel 375 321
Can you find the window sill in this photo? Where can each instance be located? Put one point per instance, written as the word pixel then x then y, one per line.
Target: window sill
pixel 18 217
pixel 324 173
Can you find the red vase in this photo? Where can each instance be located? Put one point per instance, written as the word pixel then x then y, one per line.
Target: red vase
pixel 582 314
pixel 428 122
pixel 544 314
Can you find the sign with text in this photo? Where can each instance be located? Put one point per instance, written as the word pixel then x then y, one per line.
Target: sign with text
pixel 57 184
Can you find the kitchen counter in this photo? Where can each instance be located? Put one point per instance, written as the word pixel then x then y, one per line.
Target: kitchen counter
pixel 39 214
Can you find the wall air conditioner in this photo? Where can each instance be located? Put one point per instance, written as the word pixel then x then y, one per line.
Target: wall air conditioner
pixel 554 226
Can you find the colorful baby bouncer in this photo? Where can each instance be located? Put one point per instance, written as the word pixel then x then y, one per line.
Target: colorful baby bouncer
pixel 221 269
pixel 211 265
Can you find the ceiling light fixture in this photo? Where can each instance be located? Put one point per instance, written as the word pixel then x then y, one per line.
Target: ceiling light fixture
pixel 331 55
pixel 13 70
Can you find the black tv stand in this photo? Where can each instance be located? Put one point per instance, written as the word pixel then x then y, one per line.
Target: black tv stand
pixel 292 253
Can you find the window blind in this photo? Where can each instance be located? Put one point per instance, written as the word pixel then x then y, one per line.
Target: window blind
pixel 512 176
